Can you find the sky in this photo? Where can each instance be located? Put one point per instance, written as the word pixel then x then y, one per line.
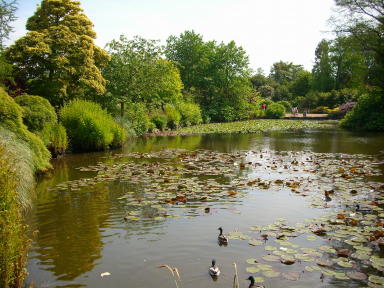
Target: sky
pixel 268 30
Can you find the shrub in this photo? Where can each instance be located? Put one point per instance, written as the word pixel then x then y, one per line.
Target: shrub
pixel 89 127
pixel 11 120
pixel 37 112
pixel 190 114
pixel 260 101
pixel 13 242
pixel 367 114
pixel 55 138
pixel 173 116
pixel 321 110
pixel 40 118
pixel 286 105
pixel 275 110
pixel 259 113
pixel 137 117
pixel 160 120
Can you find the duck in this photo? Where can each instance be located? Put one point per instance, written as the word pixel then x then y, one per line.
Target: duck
pixel 221 238
pixel 252 284
pixel 214 270
pixel 363 210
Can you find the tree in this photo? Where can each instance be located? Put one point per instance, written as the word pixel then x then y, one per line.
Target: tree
pixel 285 72
pixel 7 15
pixel 349 63
pixel 58 59
pixel 322 70
pixel 191 54
pixel 302 84
pixel 137 73
pixel 364 21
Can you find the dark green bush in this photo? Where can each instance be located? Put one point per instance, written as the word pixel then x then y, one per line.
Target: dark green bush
pixel 160 120
pixel 173 116
pixel 40 118
pixel 190 114
pixel 89 127
pixel 367 114
pixel 37 112
pixel 275 111
pixel 13 242
pixel 11 119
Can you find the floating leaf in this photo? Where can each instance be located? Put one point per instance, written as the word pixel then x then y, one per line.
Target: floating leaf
pixel 255 242
pixel 345 264
pixel 357 275
pixel 293 276
pixel 251 261
pixel 271 274
pixel 252 269
pixel 270 248
pixel 271 258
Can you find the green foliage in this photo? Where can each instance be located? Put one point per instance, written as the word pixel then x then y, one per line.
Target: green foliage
pixel 40 118
pixel 55 138
pixel 7 15
pixel 321 110
pixel 137 73
pixel 284 72
pixel 255 126
pixel 160 120
pixel 275 110
pixel 37 112
pixel 216 73
pixel 367 114
pixel 11 119
pixel 89 127
pixel 57 59
pixel 136 118
pixel 190 114
pixel 286 105
pixel 322 70
pixel 13 239
pixel 173 116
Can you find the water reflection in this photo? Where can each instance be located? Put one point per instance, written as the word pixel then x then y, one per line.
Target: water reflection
pixel 83 232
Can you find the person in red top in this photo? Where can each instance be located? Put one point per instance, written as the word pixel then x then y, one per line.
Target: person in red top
pixel 264 106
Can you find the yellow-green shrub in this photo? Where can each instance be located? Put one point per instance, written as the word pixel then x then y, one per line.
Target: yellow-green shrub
pixel 173 116
pixel 89 127
pixel 275 111
pixel 190 114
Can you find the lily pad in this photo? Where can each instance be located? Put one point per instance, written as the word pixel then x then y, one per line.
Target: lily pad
pixel 271 274
pixel 251 261
pixel 252 269
pixel 357 275
pixel 293 276
pixel 255 242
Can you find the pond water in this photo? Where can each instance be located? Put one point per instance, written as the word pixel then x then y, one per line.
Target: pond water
pixel 128 221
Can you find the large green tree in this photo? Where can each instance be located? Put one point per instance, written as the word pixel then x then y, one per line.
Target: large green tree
pixel 7 15
pixel 57 58
pixel 217 74
pixel 137 73
pixel 363 20
pixel 322 72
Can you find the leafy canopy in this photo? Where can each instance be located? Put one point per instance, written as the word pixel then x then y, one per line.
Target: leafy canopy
pixel 58 59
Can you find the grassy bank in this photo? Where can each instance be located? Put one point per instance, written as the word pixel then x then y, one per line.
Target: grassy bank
pixel 252 126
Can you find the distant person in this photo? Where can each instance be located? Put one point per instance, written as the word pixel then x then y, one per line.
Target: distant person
pixel 264 106
pixel 295 111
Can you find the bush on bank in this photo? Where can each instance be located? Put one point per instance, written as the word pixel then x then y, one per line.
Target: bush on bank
pixel 40 118
pixel 89 127
pixel 275 111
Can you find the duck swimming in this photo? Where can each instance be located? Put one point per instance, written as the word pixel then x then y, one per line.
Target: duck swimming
pixel 252 284
pixel 221 238
pixel 214 270
pixel 363 210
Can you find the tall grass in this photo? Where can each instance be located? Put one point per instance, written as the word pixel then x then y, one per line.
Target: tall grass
pixel 13 242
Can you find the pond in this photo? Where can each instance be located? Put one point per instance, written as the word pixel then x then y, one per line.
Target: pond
pixel 161 200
